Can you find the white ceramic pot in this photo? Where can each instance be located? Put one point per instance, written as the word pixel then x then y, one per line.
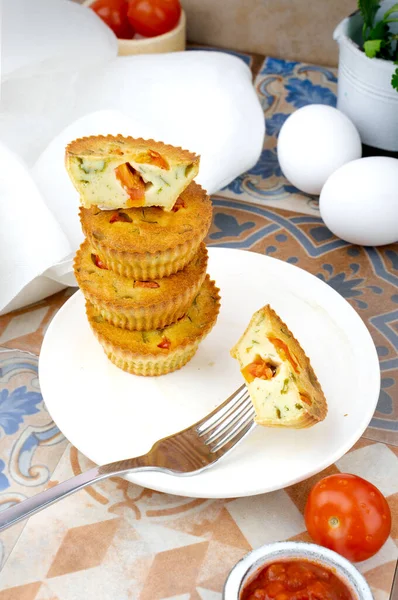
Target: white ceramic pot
pixel 365 93
pixel 251 564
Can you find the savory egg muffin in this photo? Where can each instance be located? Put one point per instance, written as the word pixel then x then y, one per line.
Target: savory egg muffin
pixel 160 351
pixel 149 243
pixel 133 304
pixel 283 387
pixel 123 172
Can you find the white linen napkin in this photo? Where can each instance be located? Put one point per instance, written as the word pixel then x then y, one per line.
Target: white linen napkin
pixel 75 85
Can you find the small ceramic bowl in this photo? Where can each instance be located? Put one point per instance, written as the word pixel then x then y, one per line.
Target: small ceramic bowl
pixel 172 41
pixel 251 564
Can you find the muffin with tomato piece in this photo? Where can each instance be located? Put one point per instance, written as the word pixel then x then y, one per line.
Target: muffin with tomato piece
pixel 281 381
pixel 113 172
pixel 149 243
pixel 159 351
pixel 134 304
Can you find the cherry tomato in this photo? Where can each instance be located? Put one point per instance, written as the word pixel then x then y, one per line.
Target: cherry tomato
pixel 349 515
pixel 114 14
pixel 153 17
pixel 164 344
pixel 98 262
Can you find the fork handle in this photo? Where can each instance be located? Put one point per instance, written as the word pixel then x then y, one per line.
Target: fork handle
pixel 36 503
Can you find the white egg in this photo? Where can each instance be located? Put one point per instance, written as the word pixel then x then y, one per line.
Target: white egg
pixel 359 202
pixel 313 142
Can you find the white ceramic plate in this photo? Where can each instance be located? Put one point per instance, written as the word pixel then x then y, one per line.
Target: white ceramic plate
pixel 109 415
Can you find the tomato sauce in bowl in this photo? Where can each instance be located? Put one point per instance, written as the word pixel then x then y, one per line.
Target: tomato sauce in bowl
pixel 296 580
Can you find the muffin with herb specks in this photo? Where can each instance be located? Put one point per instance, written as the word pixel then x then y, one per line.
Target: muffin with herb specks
pixel 159 351
pixel 138 305
pixel 123 172
pixel 149 243
pixel 282 384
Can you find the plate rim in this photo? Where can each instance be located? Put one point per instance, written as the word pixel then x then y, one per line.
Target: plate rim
pixel 137 478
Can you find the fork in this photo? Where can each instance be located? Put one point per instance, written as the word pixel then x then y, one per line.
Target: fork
pixel 187 452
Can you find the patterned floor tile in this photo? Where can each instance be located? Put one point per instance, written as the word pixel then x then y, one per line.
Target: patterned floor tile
pixel 83 547
pixel 30 443
pixel 23 324
pixel 366 462
pixel 381 577
pixel 100 583
pixel 161 539
pixel 219 560
pixel 22 592
pixel 174 571
pixel 24 335
pixel 266 518
pixel 208 594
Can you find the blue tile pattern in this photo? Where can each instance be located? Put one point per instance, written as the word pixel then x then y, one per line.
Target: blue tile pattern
pixel 366 277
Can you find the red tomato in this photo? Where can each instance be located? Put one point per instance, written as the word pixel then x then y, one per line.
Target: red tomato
pixel 164 344
pixel 98 262
pixel 154 17
pixel 114 14
pixel 349 515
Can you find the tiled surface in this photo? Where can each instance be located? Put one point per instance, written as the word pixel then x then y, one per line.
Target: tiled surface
pixel 117 540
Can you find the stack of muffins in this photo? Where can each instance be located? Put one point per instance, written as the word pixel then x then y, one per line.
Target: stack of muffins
pixel 142 268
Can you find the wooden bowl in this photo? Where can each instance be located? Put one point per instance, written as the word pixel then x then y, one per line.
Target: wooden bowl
pixel 172 41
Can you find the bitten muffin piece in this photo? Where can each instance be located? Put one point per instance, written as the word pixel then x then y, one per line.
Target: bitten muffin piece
pixel 282 384
pixel 123 172
pixel 160 351
pixel 138 305
pixel 149 243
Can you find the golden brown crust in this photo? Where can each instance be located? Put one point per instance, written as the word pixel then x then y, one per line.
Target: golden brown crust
pixel 131 304
pixel 135 345
pixel 147 266
pixel 108 146
pixel 305 377
pixel 162 365
pixel 150 230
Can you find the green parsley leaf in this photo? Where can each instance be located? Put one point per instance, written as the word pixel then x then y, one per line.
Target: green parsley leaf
pixel 372 47
pixel 394 79
pixel 368 10
pixel 379 32
pixel 285 386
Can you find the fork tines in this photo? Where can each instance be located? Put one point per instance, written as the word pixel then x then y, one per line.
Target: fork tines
pixel 227 423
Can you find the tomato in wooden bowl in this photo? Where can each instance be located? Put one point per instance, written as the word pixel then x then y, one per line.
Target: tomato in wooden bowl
pixel 143 26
